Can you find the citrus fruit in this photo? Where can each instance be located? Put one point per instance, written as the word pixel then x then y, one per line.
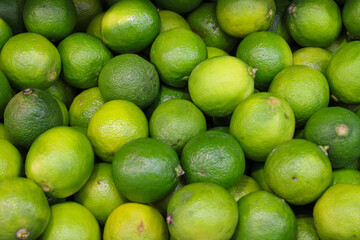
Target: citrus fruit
pixel 202 211
pixel 175 122
pixel 343 74
pixel 30 60
pixel 11 163
pixel 5 93
pixel 94 26
pixel 304 88
pixel 70 220
pixel 215 52
pixel 345 175
pixel 317 58
pixel 3 133
pixel 262 215
pixel 130 25
pixel 24 209
pixel 62 91
pixel 83 57
pixel 218 85
pixel 113 124
pixel 258 174
pixel 5 32
pixel 338 130
pixel 298 171
pixel 337 43
pixel 30 113
pixel 170 20
pixel 53 19
pixel 266 51
pixel 243 187
pixel 260 123
pixel 278 26
pixel 214 157
pixel 84 106
pixel 129 77
pixel 314 23
pixel 60 161
pixel 179 6
pixel 135 221
pixel 12 13
pixel 64 112
pixel 175 53
pixel 336 212
pixel 86 10
pixel 351 16
pixel 99 194
pixel 203 22
pixel 239 18
pixel 306 228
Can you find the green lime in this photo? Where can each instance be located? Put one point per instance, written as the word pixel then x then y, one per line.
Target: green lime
pixel 70 220
pixel 337 211
pixel 94 26
pixel 130 25
pixel 84 106
pixel 83 57
pixel 317 58
pixel 12 13
pixel 86 10
pixel 337 43
pixel 268 53
pixel 30 60
pixel 351 18
pixel 62 91
pixel 175 122
pixel 30 113
pixel 129 77
pixel 11 163
pixel 53 19
pixel 5 32
pixel 218 85
pixel 243 187
pixel 214 157
pixel 345 175
pixel 306 228
pixel 134 221
pixel 3 133
pixel 5 93
pixel 239 18
pixel 260 123
pixel 24 209
pixel 64 111
pixel 224 129
pixel 258 174
pixel 304 88
pixel 202 211
pixel 278 26
pixel 314 23
pixel 170 20
pixel 298 171
pixel 60 161
pixel 179 6
pixel 215 52
pixel 337 130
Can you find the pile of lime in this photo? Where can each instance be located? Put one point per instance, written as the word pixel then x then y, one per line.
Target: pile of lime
pixel 180 119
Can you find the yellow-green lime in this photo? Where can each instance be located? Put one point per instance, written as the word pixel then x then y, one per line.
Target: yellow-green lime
pixel 351 18
pixel 83 57
pixel 260 123
pixel 99 194
pixel 70 220
pixel 12 13
pixel 175 53
pixel 94 26
pixel 84 106
pixel 202 211
pixel 336 212
pixel 305 228
pixel 134 221
pixel 345 175
pixel 170 20
pixel 64 111
pixel 53 19
pixel 239 18
pixel 62 91
pixel 86 10
pixel 179 6
pixel 30 60
pixel 243 187
pixel 298 171
pixel 5 93
pixel 114 124
pixel 175 122
pixel 337 43
pixel 268 53
pixel 130 25
pixel 24 210
pixel 61 161
pixel 215 52
pixel 5 32
pixel 218 85
pixel 304 88
pixel 3 133
pixel 11 163
pixel 278 26
pixel 317 58
pixel 258 174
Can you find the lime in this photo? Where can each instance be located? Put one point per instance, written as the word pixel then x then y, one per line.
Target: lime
pixel 218 85
pixel 278 26
pixel 129 77
pixel 215 52
pixel 345 175
pixel 12 13
pixel 62 91
pixel 337 43
pixel 314 23
pixel 179 6
pixel 351 18
pixel 175 122
pixel 5 32
pixel 239 18
pixel 70 220
pixel 3 133
pixel 336 212
pixel 260 123
pixel 83 56
pixel 86 10
pixel 258 173
pixel 202 211
pixel 317 58
pixel 53 19
pixel 243 187
pixel 30 60
pixel 130 25
pixel 266 51
pixel 5 93
pixel 306 228
pixel 135 221
pixel 24 209
pixel 304 88
pixel 337 130
pixel 60 161
pixel 170 20
pixel 64 111
pixel 94 26
pixel 11 163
